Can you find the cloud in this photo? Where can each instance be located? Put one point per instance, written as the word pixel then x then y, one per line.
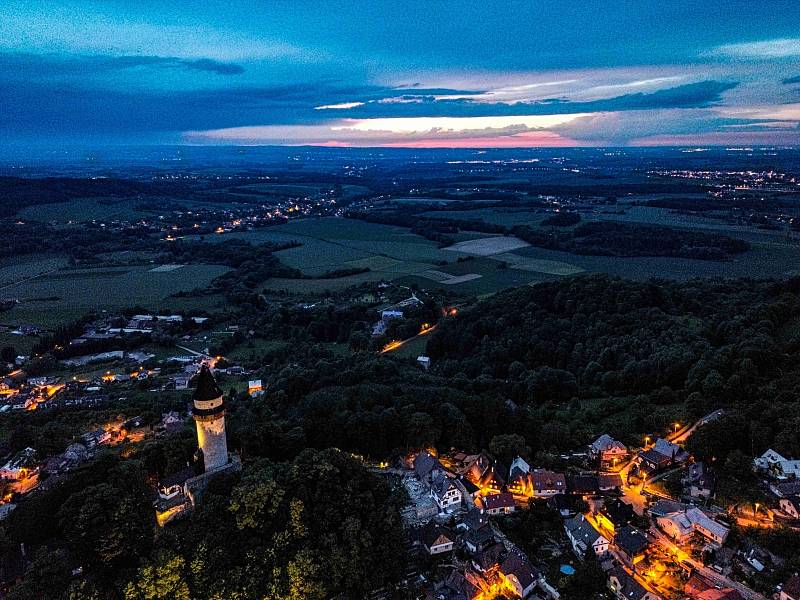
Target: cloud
pixel 422 104
pixel 79 66
pixel 767 49
pixel 389 131
pixel 791 80
pixel 213 66
pixel 340 106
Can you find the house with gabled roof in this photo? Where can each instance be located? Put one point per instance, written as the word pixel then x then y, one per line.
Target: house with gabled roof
pixel 445 492
pixel 632 544
pixel 520 573
pixel 437 539
pixel 625 587
pixel 499 504
pixel 607 451
pixel 583 535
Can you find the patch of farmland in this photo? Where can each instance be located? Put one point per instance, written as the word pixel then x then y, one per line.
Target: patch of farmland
pixel 550 267
pixel 90 289
pixel 316 256
pixel 13 270
pixel 488 246
pixel 166 268
pixel 456 279
pixel 82 209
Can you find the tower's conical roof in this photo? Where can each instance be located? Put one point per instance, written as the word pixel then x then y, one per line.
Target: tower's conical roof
pixel 206 388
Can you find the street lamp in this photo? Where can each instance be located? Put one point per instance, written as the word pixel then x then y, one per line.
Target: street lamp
pixel 677 425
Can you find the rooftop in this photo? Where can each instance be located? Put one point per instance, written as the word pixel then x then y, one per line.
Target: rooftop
pixel 206 388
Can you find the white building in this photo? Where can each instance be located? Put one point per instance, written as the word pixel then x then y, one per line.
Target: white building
pixel 445 492
pixel 681 525
pixel 583 535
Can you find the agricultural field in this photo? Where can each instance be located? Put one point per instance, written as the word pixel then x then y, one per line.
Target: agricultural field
pixel 16 269
pixel 488 246
pixel 81 210
pixel 66 294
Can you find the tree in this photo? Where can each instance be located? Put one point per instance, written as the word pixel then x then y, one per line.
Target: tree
pixel 105 525
pixel 163 579
pixel 8 354
pixel 508 446
pixel 47 578
pixel 256 501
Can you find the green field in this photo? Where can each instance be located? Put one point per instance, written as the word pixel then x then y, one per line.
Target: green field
pixel 66 294
pixel 83 209
pixel 14 270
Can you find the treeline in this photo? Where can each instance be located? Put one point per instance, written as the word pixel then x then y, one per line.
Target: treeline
pixel 610 238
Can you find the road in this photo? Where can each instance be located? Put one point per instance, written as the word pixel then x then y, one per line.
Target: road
pixel 632 493
pixel 686 433
pixel 708 573
pixel 392 346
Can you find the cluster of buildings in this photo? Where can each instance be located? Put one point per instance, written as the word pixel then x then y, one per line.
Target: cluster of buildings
pixel 782 477
pixel 23 469
pixel 487 564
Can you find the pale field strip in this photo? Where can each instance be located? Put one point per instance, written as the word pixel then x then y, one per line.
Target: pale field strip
pixel 165 268
pixel 488 246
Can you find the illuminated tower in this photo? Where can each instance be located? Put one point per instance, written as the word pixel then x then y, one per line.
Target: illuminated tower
pixel 209 415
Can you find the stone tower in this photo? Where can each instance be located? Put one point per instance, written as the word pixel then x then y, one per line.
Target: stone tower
pixel 208 410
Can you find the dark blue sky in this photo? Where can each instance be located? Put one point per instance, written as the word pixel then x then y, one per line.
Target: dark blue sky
pixel 427 73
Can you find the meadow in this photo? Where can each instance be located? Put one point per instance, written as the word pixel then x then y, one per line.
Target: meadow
pixel 67 294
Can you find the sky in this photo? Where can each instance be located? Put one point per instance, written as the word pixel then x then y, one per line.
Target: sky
pixel 404 73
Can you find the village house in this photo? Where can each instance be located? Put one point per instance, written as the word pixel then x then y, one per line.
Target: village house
pixel 700 588
pixel 609 482
pixel 426 467
pixel 614 515
pixel 567 506
pixel 473 520
pixel 582 485
pixel 547 484
pixel 499 504
pixel 784 489
pixel 583 535
pixel 445 492
pixel 777 466
pixel 436 539
pixel 607 451
pixel 171 422
pixel 625 587
pixel 476 540
pixel 518 468
pixel 632 543
pixel 681 525
pixel 487 558
pixel 482 470
pixel 791 506
pixel 520 573
pixel 661 455
pixel 96 438
pixel 699 481
pixel 20 466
